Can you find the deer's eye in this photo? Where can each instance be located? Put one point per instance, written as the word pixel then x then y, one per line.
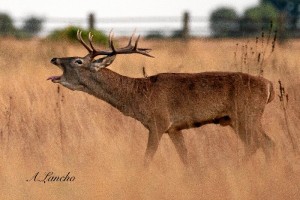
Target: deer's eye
pixel 78 62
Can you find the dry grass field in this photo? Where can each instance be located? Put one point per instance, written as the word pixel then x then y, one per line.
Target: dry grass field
pixel 47 128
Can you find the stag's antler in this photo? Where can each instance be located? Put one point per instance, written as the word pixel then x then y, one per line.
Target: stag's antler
pixel 124 50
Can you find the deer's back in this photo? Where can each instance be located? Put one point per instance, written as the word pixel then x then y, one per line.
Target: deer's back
pixel 210 93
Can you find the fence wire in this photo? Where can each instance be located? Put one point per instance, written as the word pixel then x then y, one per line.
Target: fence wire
pixel 123 26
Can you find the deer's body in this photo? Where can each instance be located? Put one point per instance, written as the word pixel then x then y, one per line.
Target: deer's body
pixel 170 102
pixel 180 100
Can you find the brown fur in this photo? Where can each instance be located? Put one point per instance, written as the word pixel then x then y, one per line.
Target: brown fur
pixel 169 102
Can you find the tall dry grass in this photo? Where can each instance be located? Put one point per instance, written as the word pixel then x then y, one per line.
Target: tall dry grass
pixel 45 127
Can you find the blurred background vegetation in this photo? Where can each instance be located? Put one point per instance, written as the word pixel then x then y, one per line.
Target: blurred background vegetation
pixel 70 34
pixel 283 14
pixel 31 26
pixel 222 22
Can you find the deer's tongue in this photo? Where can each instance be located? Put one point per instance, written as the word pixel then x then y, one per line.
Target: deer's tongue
pixel 54 79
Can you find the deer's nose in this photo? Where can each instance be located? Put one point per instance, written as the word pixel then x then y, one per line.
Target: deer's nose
pixel 53 60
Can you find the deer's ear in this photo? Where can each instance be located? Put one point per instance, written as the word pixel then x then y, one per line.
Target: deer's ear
pixel 102 62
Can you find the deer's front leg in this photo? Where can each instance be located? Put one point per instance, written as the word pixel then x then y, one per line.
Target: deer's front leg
pixel 153 141
pixel 178 141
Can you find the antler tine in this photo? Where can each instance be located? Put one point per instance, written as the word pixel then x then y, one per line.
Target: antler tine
pixel 91 41
pixel 130 39
pixel 82 42
pixel 129 45
pixel 143 51
pixel 136 42
pixel 111 43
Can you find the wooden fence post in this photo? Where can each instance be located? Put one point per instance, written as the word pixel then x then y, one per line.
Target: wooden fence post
pixel 186 24
pixel 91 21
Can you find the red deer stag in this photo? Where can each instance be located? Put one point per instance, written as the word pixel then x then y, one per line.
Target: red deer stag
pixel 170 102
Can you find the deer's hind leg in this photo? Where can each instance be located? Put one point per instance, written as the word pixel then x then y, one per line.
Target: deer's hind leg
pixel 242 125
pixel 265 142
pixel 250 131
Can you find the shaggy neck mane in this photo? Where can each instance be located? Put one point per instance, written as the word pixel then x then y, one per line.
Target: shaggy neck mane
pixel 113 88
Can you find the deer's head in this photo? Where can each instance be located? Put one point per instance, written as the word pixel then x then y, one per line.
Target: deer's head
pixel 76 68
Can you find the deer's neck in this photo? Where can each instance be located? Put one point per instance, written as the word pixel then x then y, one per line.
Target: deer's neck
pixel 113 88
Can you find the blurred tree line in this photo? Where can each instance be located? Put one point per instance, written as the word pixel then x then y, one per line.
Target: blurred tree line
pixel 33 25
pixel 30 27
pixel 283 14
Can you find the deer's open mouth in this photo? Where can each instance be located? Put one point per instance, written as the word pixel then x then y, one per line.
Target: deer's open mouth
pixel 55 79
